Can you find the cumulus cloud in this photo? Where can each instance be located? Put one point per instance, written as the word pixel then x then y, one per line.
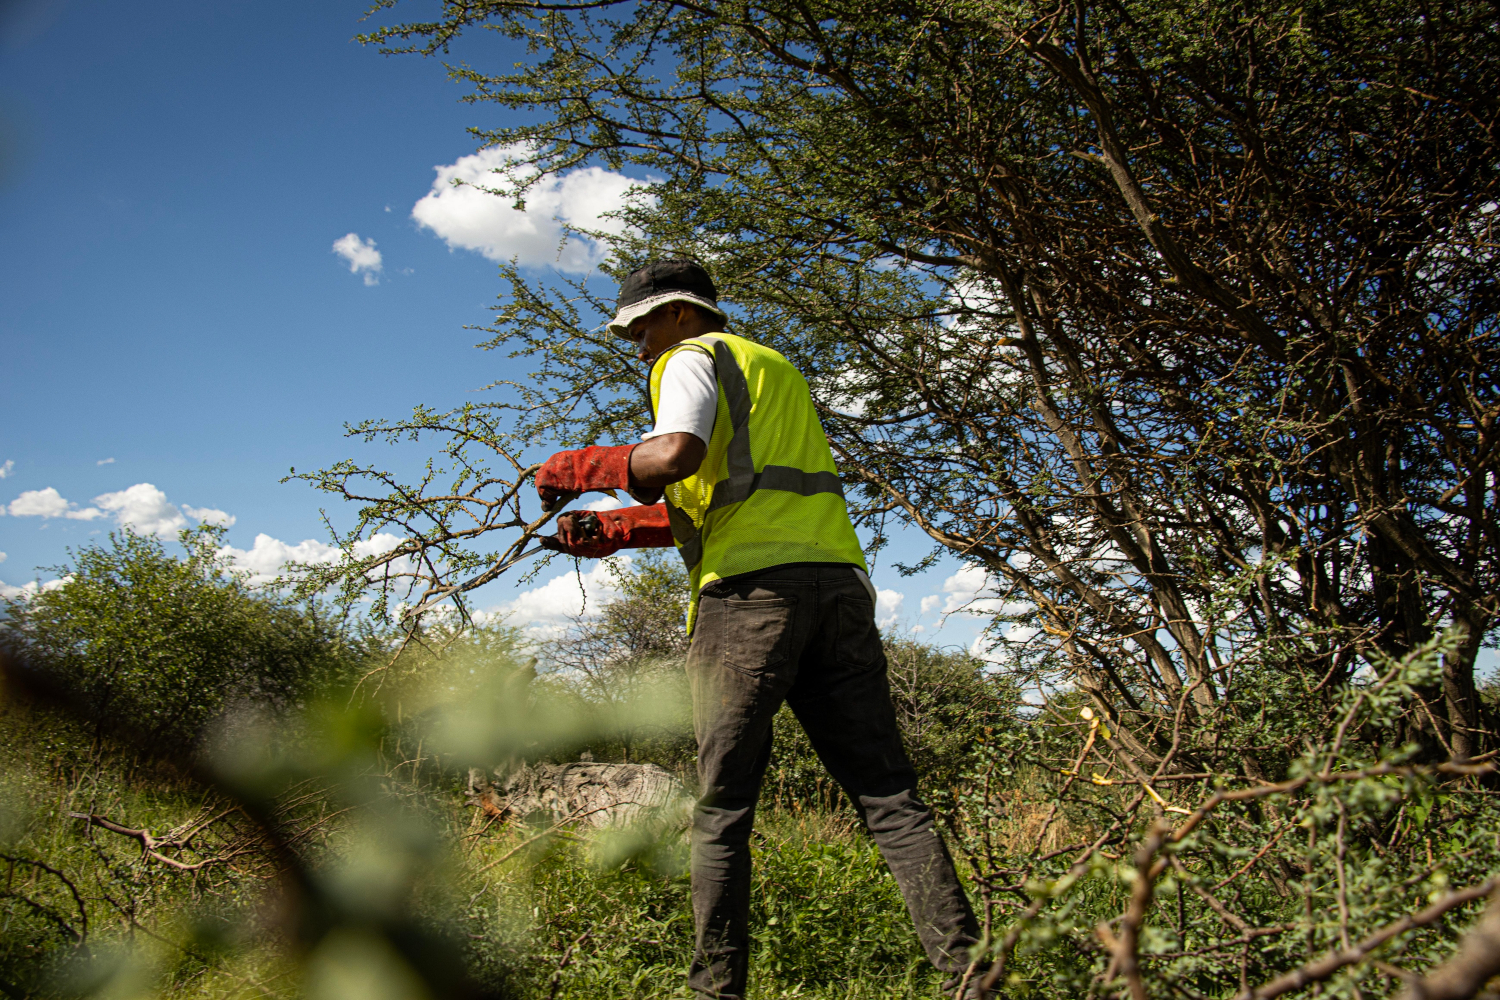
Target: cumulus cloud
pixel 7 468
pixel 49 503
pixel 548 609
pixel 266 559
pixel 105 461
pixel 462 209
pixel 144 509
pixel 38 503
pixel 361 255
pixel 961 591
pixel 29 590
pixel 888 607
pixel 3 557
pixel 209 515
pixel 971 590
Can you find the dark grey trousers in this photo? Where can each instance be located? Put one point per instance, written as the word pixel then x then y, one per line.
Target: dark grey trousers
pixel 804 634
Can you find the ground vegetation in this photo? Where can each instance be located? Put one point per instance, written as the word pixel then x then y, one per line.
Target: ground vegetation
pixel 1179 321
pixel 1176 319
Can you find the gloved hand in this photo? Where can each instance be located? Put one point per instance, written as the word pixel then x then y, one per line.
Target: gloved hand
pixel 569 473
pixel 596 534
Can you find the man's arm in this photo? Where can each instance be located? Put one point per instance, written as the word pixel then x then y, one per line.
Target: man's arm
pixel 652 465
pixel 663 460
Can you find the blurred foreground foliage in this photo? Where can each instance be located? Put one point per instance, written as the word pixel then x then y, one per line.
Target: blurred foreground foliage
pixel 210 790
pixel 323 844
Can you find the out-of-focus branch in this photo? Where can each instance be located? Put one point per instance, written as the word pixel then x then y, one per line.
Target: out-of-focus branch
pixel 1332 962
pixel 1126 959
pixel 1463 975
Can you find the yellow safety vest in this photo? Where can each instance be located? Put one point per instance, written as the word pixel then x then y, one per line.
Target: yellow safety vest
pixel 767 492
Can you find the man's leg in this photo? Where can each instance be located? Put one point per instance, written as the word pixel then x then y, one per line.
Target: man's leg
pixel 843 700
pixel 741 663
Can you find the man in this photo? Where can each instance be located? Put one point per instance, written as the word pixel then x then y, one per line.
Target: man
pixel 780 610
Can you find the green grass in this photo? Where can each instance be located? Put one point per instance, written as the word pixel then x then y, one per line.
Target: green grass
pixel 101 898
pixel 826 921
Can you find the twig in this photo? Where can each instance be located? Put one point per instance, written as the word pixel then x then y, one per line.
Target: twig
pixel 1462 976
pixel 574 816
pixel 1260 854
pixel 567 956
pixel 148 842
pixel 83 913
pixel 1332 962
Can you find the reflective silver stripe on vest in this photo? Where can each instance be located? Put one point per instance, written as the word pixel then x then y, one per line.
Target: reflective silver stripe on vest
pixel 776 477
pixel 743 480
pixel 685 534
pixel 741 465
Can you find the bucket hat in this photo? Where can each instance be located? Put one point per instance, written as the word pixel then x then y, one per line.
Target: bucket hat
pixel 656 284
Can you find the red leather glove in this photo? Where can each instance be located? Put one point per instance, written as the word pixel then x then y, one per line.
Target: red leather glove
pixel 569 473
pixel 596 534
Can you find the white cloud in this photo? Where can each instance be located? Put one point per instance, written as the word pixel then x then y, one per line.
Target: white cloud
pixel 982 648
pixel 29 590
pixel 38 503
pixel 604 503
pixel 888 607
pixel 144 509
pixel 972 590
pixel 268 556
pixel 547 609
pixel 462 210
pixel 7 468
pixel 1020 633
pixel 105 461
pixel 209 515
pixel 961 591
pixel 361 255
pixel 49 503
pixel 3 557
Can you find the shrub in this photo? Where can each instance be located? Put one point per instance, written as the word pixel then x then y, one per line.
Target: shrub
pixel 947 707
pixel 157 646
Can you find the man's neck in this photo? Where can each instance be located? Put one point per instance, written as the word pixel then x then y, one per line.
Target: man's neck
pixel 688 333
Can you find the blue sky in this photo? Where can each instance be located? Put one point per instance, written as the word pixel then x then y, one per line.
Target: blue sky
pixel 178 329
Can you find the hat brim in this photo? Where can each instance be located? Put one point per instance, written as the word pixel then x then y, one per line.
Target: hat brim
pixel 620 325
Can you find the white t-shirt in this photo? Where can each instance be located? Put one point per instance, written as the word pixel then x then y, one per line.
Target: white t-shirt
pixel 688 398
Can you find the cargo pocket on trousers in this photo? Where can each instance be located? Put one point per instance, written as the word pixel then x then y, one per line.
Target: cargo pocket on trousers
pixel 757 633
pixel 859 639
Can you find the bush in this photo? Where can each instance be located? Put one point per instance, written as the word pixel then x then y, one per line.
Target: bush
pixel 947 707
pixel 626 665
pixel 157 646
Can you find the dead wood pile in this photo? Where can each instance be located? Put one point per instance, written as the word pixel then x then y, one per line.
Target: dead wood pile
pixel 594 794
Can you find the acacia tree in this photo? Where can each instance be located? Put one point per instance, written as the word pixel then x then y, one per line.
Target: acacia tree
pixel 1178 318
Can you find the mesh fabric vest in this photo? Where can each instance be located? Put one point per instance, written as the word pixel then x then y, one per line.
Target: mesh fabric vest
pixel 767 492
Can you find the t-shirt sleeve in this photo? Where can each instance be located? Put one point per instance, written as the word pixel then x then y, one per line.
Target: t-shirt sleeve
pixel 689 397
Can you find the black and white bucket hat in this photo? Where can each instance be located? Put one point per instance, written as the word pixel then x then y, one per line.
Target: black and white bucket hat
pixel 646 288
